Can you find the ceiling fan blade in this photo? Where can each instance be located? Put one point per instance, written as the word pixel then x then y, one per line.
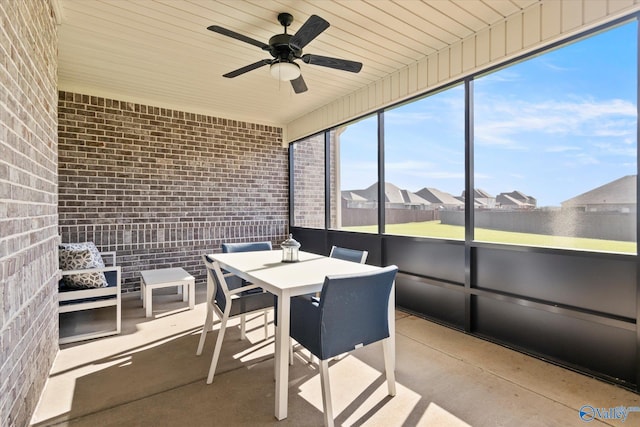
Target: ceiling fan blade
pixel 338 64
pixel 309 31
pixel 234 35
pixel 299 85
pixel 247 68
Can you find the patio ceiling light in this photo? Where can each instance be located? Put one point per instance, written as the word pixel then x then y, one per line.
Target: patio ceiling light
pixel 285 70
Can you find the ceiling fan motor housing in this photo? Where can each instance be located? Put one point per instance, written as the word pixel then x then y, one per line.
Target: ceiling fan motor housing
pixel 280 49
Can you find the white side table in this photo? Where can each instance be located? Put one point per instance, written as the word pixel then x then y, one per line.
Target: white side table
pixel 164 277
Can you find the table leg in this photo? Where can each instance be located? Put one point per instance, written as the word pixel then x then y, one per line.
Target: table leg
pixel 142 291
pixel 185 291
pixel 281 356
pixel 192 294
pixel 392 325
pixel 148 300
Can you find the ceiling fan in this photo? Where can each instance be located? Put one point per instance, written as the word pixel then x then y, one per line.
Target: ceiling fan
pixel 286 48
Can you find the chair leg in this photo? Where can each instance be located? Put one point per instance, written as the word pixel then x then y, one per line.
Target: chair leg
pixel 216 352
pixel 243 327
pixel 389 366
pixel 290 351
pixel 208 323
pixel 266 326
pixel 326 393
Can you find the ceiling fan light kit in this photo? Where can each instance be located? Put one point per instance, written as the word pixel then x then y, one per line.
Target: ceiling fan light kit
pixel 285 70
pixel 286 48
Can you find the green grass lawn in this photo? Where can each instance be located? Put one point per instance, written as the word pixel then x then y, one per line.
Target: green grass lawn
pixel 437 230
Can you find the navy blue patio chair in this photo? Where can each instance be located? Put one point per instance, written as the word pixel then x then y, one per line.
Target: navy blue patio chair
pixel 349 254
pixel 234 282
pixel 246 247
pixel 228 303
pixel 337 252
pixel 352 312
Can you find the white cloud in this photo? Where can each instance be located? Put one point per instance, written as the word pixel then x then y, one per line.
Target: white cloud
pixel 506 75
pixel 581 159
pixel 408 165
pixel 502 122
pixel 399 118
pixel 561 149
pixel 363 166
pixel 444 107
pixel 549 64
pixel 625 150
pixel 443 175
pixel 421 170
pixel 482 176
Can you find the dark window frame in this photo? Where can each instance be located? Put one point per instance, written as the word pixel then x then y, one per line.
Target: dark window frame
pixel 467 81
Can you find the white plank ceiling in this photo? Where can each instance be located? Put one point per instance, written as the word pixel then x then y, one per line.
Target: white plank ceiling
pixel 159 52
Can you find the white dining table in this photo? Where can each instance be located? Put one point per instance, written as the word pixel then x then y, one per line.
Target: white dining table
pixel 286 280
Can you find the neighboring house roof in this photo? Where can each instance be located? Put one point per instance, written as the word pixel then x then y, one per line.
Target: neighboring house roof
pixel 507 200
pixel 436 196
pixel 412 198
pixel 622 191
pixel 516 198
pixel 433 196
pixel 481 198
pixel 519 195
pixel 478 193
pixel 393 194
pixel 350 195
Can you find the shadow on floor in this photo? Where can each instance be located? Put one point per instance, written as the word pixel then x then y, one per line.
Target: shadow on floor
pixel 150 375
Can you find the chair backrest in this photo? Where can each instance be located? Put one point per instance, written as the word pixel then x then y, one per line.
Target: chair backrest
pixel 349 254
pixel 354 310
pixel 216 277
pixel 246 247
pixel 234 281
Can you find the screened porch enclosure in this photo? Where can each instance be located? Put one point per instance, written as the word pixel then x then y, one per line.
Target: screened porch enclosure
pixel 509 201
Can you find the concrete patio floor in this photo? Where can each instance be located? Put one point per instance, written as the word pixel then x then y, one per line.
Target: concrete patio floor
pixel 149 375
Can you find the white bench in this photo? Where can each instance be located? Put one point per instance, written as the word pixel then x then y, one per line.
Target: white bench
pixel 75 300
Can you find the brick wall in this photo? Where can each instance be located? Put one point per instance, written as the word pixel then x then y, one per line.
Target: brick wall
pixel 28 205
pixel 308 182
pixel 162 187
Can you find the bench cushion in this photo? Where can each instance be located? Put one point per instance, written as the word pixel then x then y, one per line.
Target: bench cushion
pixel 112 282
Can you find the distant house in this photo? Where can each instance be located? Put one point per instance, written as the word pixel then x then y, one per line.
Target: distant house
pixel 429 198
pixel 615 196
pixel 440 199
pixel 481 199
pixel 395 198
pixel 354 200
pixel 515 200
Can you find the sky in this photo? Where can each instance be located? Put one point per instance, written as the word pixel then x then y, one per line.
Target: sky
pixel 553 127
